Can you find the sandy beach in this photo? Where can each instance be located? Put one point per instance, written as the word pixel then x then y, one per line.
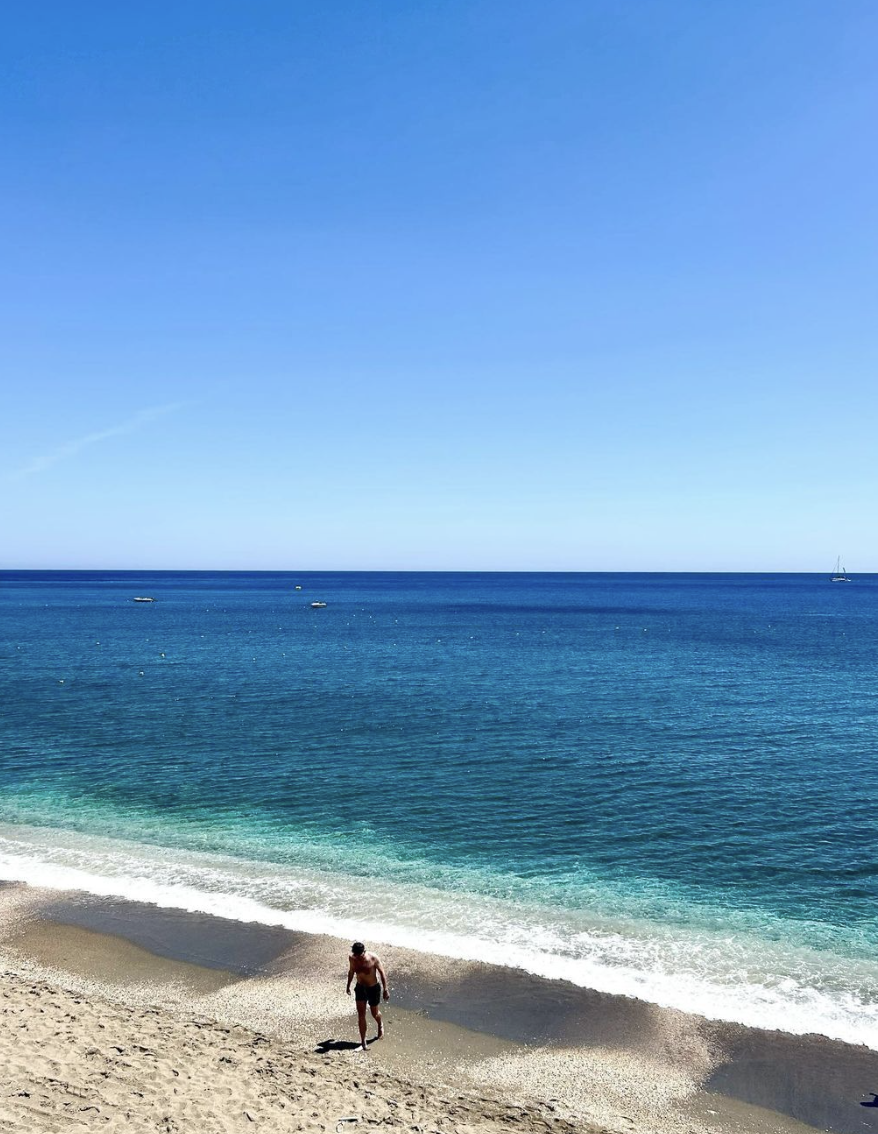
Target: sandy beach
pixel 124 1016
pixel 85 1063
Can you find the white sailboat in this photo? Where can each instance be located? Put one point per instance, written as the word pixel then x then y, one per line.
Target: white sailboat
pixel 840 576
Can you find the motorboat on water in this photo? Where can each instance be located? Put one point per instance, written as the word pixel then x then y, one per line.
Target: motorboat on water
pixel 316 605
pixel 142 598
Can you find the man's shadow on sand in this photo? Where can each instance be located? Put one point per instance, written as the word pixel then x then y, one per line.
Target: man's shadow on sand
pixel 328 1045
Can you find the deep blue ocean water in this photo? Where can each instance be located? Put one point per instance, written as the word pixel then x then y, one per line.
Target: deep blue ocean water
pixel 661 785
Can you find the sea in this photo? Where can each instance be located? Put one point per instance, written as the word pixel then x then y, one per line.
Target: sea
pixel 662 786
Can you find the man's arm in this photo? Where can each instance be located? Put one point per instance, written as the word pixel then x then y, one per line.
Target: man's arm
pixel 383 978
pixel 350 975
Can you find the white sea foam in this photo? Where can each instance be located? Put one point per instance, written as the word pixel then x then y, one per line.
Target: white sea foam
pixel 721 973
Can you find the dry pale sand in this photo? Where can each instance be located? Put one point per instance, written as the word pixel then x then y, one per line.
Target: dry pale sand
pixel 119 1039
pixel 76 1063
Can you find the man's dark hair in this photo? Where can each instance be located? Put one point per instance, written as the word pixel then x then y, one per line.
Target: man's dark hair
pixel 358 947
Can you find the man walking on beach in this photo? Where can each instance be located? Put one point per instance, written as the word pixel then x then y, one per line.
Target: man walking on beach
pixel 367 969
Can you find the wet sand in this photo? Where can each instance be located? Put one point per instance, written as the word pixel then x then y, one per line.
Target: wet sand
pixel 561 1052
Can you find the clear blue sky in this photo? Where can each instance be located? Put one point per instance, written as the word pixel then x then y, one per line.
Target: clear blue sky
pixel 488 284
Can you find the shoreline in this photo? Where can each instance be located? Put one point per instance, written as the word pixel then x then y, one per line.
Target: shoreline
pixel 591 1057
pixel 755 984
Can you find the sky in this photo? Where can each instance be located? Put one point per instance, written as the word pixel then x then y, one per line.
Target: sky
pixel 477 285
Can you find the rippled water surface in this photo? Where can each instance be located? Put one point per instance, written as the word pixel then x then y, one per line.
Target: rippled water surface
pixel 661 785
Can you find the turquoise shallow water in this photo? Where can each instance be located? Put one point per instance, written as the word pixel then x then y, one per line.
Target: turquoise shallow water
pixel 656 785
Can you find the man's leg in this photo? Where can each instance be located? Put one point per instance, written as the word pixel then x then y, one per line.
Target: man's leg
pixel 361 1020
pixel 376 1013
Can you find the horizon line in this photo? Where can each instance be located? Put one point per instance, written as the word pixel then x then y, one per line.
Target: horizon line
pixel 397 571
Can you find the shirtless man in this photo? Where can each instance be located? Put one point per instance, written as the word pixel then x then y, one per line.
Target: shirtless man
pixel 367 969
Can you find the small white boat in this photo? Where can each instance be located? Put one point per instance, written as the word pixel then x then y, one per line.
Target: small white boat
pixel 315 605
pixel 840 576
pixel 142 598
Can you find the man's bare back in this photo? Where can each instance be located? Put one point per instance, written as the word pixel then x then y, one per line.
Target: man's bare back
pixel 366 967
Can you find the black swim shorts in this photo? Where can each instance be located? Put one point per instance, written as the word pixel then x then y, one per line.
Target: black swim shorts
pixel 369 992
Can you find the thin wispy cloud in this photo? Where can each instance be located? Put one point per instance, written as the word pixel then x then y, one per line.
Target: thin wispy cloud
pixel 70 449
